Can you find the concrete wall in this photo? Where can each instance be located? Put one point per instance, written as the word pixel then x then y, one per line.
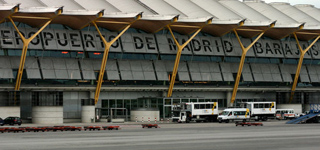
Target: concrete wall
pixel 72 104
pixel 145 114
pixel 6 111
pixel 296 107
pixel 128 95
pixel 208 95
pixel 26 105
pixel 87 113
pixel 47 114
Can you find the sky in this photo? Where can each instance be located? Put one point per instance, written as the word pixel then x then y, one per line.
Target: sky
pixel 316 3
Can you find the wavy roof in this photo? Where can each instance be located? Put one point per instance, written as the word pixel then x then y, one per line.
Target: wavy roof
pixel 217 17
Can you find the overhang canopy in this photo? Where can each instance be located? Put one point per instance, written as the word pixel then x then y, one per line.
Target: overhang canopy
pixel 35 16
pixel 150 22
pixel 223 20
pixel 254 23
pixel 77 19
pixel 310 10
pixel 7 10
pixel 190 25
pixel 154 23
pixel 285 25
pixel 217 17
pixel 191 16
pixel 117 21
pixel 311 25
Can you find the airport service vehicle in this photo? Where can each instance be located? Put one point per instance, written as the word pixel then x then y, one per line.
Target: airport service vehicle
pixel 285 114
pixel 198 112
pixel 232 114
pixel 261 110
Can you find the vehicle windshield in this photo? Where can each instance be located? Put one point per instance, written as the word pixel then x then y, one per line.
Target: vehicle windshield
pixel 176 114
pixel 225 113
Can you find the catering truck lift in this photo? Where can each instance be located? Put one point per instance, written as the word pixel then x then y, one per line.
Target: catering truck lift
pixel 198 112
pixel 261 110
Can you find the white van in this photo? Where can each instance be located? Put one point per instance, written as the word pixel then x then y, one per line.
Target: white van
pixel 234 114
pixel 285 114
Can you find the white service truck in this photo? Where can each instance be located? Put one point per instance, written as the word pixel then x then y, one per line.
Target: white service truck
pixel 198 112
pixel 232 114
pixel 261 110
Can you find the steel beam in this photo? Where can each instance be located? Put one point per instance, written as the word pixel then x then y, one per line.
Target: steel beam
pixel 179 51
pixel 25 47
pixel 26 43
pixel 243 57
pixel 105 55
pixel 302 53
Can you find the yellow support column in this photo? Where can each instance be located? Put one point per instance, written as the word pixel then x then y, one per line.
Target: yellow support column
pixel 25 47
pixel 243 57
pixel 105 56
pixel 302 53
pixel 176 64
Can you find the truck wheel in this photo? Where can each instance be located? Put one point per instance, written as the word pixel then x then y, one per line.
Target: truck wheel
pixel 227 121
pixel 220 121
pixel 264 118
pixel 257 118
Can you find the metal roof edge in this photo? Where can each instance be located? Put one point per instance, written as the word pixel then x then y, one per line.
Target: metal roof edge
pixel 293 25
pixel 258 23
pixel 121 15
pixel 159 17
pixel 193 19
pixel 39 9
pixel 218 21
pixel 311 27
pixel 9 6
pixel 81 12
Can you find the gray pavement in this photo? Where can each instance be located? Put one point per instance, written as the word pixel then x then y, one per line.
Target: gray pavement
pixel 171 136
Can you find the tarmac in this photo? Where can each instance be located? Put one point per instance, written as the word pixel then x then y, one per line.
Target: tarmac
pixel 273 135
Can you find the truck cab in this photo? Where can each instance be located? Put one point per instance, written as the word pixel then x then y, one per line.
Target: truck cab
pixel 198 112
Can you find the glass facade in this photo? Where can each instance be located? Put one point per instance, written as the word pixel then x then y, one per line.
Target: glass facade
pixel 164 105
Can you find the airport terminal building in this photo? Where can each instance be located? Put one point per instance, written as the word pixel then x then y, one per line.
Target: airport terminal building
pixel 73 60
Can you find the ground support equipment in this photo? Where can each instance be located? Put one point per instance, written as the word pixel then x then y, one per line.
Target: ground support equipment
pixel 91 128
pixel 249 124
pixel 150 126
pixel 110 127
